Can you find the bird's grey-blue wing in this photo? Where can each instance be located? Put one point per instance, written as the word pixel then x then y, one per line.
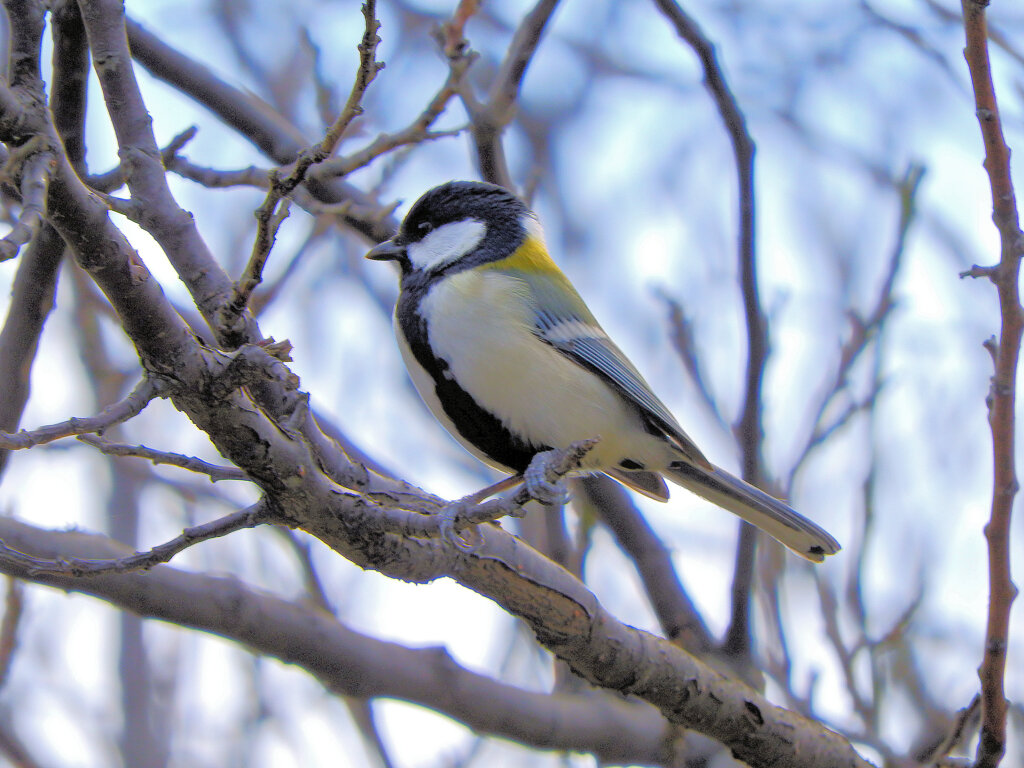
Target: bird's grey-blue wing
pixel 564 322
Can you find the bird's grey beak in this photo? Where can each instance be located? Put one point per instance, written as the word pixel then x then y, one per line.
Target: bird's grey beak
pixel 389 250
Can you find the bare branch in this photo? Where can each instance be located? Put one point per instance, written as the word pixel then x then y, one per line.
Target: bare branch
pixel 256 122
pixel 473 510
pixel 268 216
pixel 1002 395
pixel 368 69
pixel 965 722
pixel 347 662
pixel 250 517
pixel 215 472
pixel 115 178
pixel 32 297
pixel 26 24
pixel 453 30
pixel 415 133
pixel 115 413
pixel 685 346
pixel 14 604
pixel 14 749
pixel 171 226
pixel 679 618
pixel 865 330
pixel 748 429
pixel 757 731
pixel 70 81
pixel 490 118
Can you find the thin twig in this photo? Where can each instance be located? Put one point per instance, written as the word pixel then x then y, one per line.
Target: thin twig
pixel 683 340
pixel 847 657
pixel 115 178
pixel 215 178
pixel 453 30
pixel 748 429
pixel 273 211
pixel 115 413
pixel 1002 394
pixel 215 472
pixel 959 730
pixel 865 329
pixel 254 121
pixel 368 69
pixel 257 514
pixel 416 132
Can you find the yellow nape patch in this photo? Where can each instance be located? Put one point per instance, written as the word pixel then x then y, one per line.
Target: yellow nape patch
pixel 531 256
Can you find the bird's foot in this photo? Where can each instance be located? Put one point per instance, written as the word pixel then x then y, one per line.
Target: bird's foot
pixel 535 479
pixel 469 539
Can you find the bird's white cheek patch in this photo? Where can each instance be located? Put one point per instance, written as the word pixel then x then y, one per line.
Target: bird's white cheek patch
pixel 447 243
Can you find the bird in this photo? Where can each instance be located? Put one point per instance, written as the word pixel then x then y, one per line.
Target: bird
pixel 508 357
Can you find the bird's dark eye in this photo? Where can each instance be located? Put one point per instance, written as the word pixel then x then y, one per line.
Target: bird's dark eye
pixel 425 227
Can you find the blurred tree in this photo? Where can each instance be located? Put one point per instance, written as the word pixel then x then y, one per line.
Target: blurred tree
pixel 808 293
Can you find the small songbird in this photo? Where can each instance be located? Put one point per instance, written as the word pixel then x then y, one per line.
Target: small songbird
pixel 512 362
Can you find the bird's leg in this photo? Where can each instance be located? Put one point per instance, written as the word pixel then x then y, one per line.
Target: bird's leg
pixel 553 464
pixel 491 490
pixel 542 466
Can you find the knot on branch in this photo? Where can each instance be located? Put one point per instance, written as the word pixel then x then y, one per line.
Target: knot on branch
pixel 253 364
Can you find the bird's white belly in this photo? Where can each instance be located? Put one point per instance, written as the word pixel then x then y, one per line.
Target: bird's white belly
pixel 485 333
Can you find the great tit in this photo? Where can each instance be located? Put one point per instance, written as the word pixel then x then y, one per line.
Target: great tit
pixel 511 361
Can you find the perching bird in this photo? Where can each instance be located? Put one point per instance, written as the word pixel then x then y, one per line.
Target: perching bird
pixel 512 362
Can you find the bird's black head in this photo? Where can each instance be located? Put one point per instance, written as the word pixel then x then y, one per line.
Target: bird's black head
pixel 456 226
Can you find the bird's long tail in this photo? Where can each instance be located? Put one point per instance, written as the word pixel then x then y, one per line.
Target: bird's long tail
pixel 757 508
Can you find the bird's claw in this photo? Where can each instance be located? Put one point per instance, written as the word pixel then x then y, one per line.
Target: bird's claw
pixel 447 516
pixel 535 479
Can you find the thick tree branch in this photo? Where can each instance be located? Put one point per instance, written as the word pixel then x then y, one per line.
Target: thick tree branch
pixel 172 227
pixel 608 652
pixel 32 299
pixel 26 19
pixel 347 662
pixel 70 81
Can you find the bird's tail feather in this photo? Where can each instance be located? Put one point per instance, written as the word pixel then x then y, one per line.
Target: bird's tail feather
pixel 757 508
